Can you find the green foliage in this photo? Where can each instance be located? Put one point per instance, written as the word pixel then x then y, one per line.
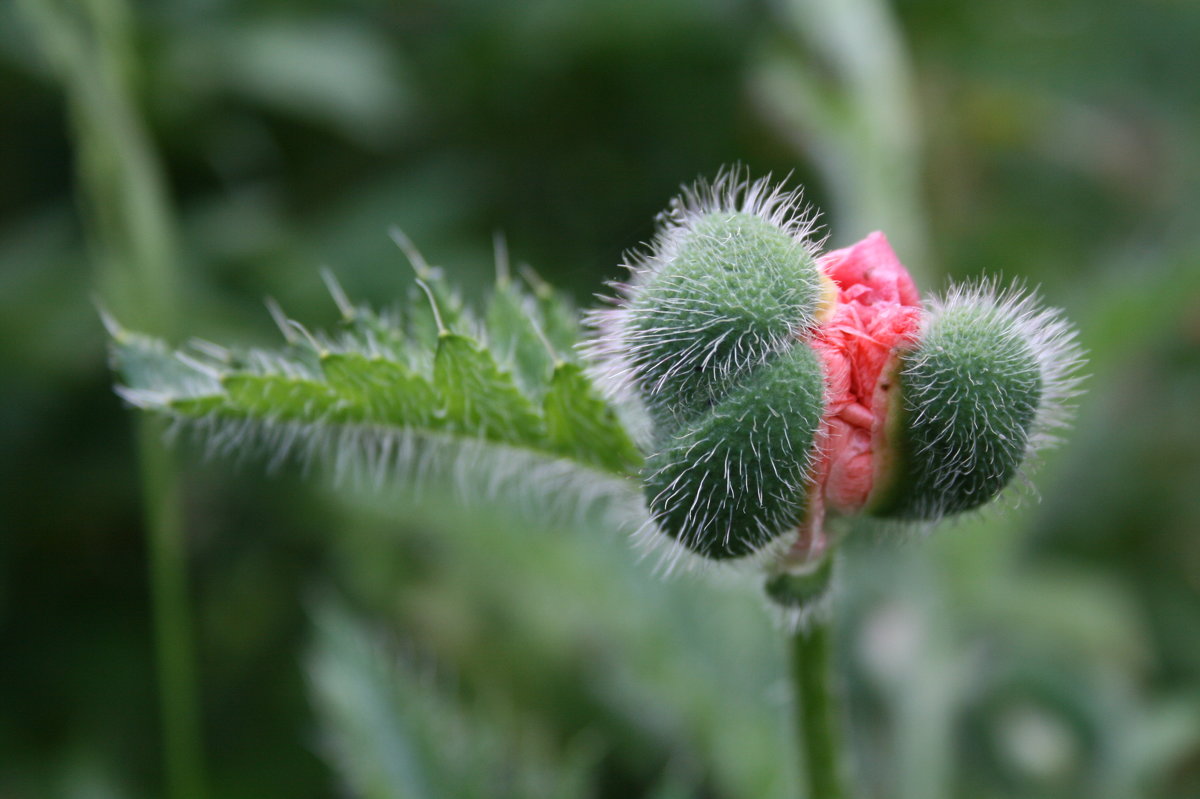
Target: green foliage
pixel 392 733
pixel 380 386
pixel 666 683
pixel 1072 167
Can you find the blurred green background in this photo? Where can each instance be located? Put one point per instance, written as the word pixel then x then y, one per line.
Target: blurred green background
pixel 407 643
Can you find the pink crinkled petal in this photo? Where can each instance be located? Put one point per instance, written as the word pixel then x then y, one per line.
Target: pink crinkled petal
pixel 877 311
pixel 871 264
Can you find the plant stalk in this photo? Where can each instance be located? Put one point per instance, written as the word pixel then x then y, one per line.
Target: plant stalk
pixel 817 709
pixel 130 229
pixel 167 559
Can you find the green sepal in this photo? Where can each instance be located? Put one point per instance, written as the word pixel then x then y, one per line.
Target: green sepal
pixel 802 591
pixel 737 477
pixel 735 290
pixel 966 399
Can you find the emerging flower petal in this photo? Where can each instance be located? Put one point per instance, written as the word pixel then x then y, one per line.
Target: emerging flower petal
pixel 877 311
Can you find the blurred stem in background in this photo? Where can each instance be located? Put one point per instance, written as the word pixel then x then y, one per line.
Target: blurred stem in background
pixel 124 203
pixel 836 84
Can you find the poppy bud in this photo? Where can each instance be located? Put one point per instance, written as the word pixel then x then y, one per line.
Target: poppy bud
pixel 778 386
pixel 706 339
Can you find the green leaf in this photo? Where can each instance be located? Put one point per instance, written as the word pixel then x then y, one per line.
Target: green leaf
pixel 354 395
pixel 479 398
pixel 148 364
pixel 283 397
pixel 374 332
pixel 393 734
pixel 387 391
pixel 369 734
pixel 559 321
pixel 579 425
pixel 512 319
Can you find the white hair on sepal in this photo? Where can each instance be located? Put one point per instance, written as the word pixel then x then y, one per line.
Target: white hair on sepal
pixel 732 190
pixel 741 482
pixel 607 365
pixel 1051 338
pixel 672 558
pixel 1041 347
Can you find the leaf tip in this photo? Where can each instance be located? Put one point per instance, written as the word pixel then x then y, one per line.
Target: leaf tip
pixel 417 261
pixel 344 306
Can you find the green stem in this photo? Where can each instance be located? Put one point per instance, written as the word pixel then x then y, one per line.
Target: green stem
pixel 128 219
pixel 817 710
pixel 172 618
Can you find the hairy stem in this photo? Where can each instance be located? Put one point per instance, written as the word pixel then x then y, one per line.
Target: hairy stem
pixel 817 710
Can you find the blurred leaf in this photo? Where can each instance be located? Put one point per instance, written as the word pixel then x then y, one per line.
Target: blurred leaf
pixel 392 733
pixel 345 76
pixel 1166 736
pixel 675 678
pixel 515 339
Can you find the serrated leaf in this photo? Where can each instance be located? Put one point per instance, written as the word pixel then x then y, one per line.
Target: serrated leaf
pixel 579 425
pixel 441 305
pixel 147 364
pixel 383 391
pixel 511 320
pixel 377 332
pixel 284 397
pixel 360 395
pixel 480 399
pixel 559 320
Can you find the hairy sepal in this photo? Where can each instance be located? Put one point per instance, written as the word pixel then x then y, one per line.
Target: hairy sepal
pixel 982 390
pixel 731 298
pixel 734 481
pixel 726 284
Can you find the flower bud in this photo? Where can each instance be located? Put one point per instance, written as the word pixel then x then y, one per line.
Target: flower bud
pixel 778 387
pixel 971 400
